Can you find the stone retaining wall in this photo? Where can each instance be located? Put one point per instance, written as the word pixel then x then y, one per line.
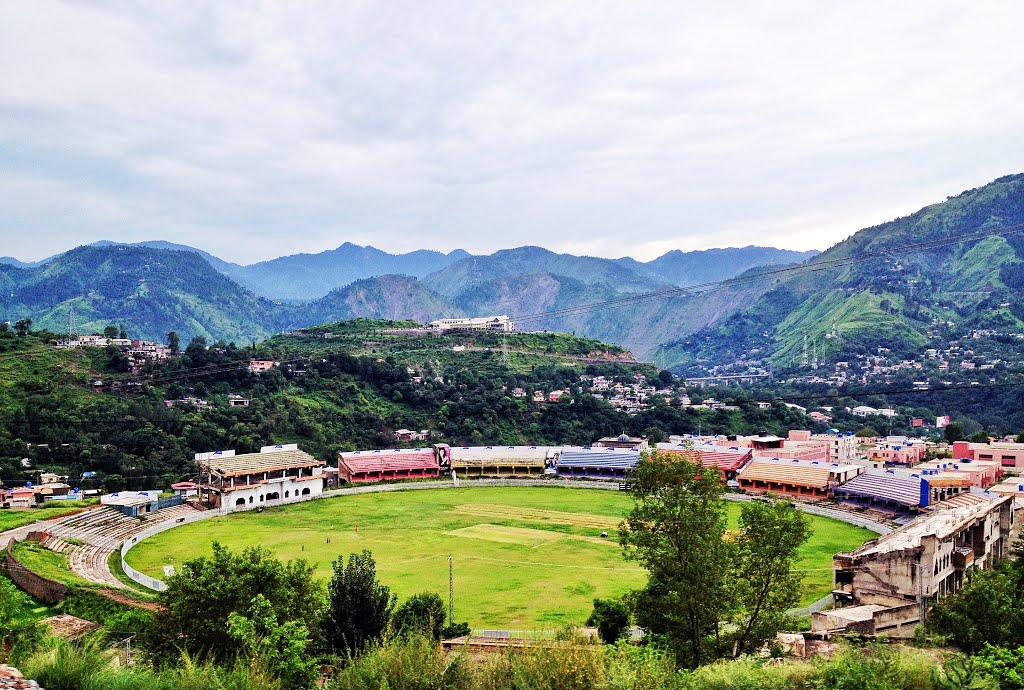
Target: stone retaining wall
pixel 41 588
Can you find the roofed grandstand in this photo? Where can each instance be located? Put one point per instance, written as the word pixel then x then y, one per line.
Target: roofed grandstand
pixel 795 477
pixel 497 461
pixel 597 463
pixel 729 460
pixel 385 465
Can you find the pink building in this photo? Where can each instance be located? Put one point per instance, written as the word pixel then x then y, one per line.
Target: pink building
pixel 983 474
pixel 1008 455
pixel 898 451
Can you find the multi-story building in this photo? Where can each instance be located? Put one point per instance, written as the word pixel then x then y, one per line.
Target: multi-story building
pixel 1009 455
pixel 887 584
pixel 277 474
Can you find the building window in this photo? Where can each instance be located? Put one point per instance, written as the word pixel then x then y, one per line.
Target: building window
pixel 286 494
pixel 240 502
pixel 250 499
pixel 261 498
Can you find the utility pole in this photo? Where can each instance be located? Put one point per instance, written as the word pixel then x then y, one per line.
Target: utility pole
pixel 451 591
pixel 72 326
pixel 803 362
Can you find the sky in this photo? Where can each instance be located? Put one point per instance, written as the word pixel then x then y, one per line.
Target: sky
pixel 258 129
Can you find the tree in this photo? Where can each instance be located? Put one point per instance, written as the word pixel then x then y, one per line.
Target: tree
pixel 654 434
pixel 676 530
pixel 123 334
pixel 110 332
pixel 953 432
pixel 610 617
pixel 174 342
pixel 979 437
pixel 867 432
pixel 358 607
pixel 281 648
pixel 23 327
pixel 205 591
pixel 771 534
pixel 421 613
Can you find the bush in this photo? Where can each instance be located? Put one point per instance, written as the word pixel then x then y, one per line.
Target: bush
pixel 421 613
pixel 610 617
pixel 407 663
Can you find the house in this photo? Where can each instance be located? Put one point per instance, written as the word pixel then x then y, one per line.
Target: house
pixel 21 497
pixel 863 411
pixel 538 396
pixel 185 489
pixel 277 474
pixel 191 401
pixel 555 396
pixel 518 393
pixel 258 366
pixel 238 401
pixel 901 573
pixel 409 436
pixel 133 503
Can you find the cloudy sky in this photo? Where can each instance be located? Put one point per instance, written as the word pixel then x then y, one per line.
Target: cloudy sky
pixel 254 129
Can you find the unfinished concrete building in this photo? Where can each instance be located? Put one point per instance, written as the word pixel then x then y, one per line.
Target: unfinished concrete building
pixel 886 585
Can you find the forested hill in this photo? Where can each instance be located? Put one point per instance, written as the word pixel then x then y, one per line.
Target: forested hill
pixel 148 291
pixel 336 388
pixel 890 298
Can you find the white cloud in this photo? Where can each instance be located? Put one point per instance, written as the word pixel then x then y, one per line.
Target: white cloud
pixel 606 128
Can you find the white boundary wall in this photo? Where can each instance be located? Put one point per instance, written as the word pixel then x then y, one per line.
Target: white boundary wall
pixel 159 585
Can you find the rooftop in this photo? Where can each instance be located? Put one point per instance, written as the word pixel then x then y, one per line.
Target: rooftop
pixel 249 463
pixel 941 523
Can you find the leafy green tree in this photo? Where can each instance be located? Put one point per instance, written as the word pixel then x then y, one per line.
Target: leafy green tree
pixel 421 613
pixel 23 327
pixel 989 609
pixel 867 432
pixel 123 334
pixel 173 342
pixel 359 608
pixel 110 332
pixel 676 530
pixel 953 432
pixel 282 648
pixel 610 617
pixel 770 537
pixel 654 434
pixel 205 591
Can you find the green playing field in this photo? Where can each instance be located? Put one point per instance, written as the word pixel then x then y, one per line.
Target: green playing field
pixel 523 557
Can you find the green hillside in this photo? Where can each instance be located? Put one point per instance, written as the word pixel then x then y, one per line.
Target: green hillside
pixel 889 297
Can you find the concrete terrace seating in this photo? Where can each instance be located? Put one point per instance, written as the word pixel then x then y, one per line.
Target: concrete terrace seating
pixel 384 465
pixel 786 477
pixel 102 530
pixel 888 490
pixel 597 463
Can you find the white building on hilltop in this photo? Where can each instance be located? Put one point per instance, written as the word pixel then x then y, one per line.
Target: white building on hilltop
pixel 501 324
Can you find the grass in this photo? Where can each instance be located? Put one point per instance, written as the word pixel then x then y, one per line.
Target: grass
pixel 523 556
pixel 46 563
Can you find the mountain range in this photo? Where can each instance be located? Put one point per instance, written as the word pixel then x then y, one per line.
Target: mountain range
pixel 858 295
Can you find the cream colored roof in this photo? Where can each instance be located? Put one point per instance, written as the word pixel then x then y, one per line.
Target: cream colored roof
pixel 249 463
